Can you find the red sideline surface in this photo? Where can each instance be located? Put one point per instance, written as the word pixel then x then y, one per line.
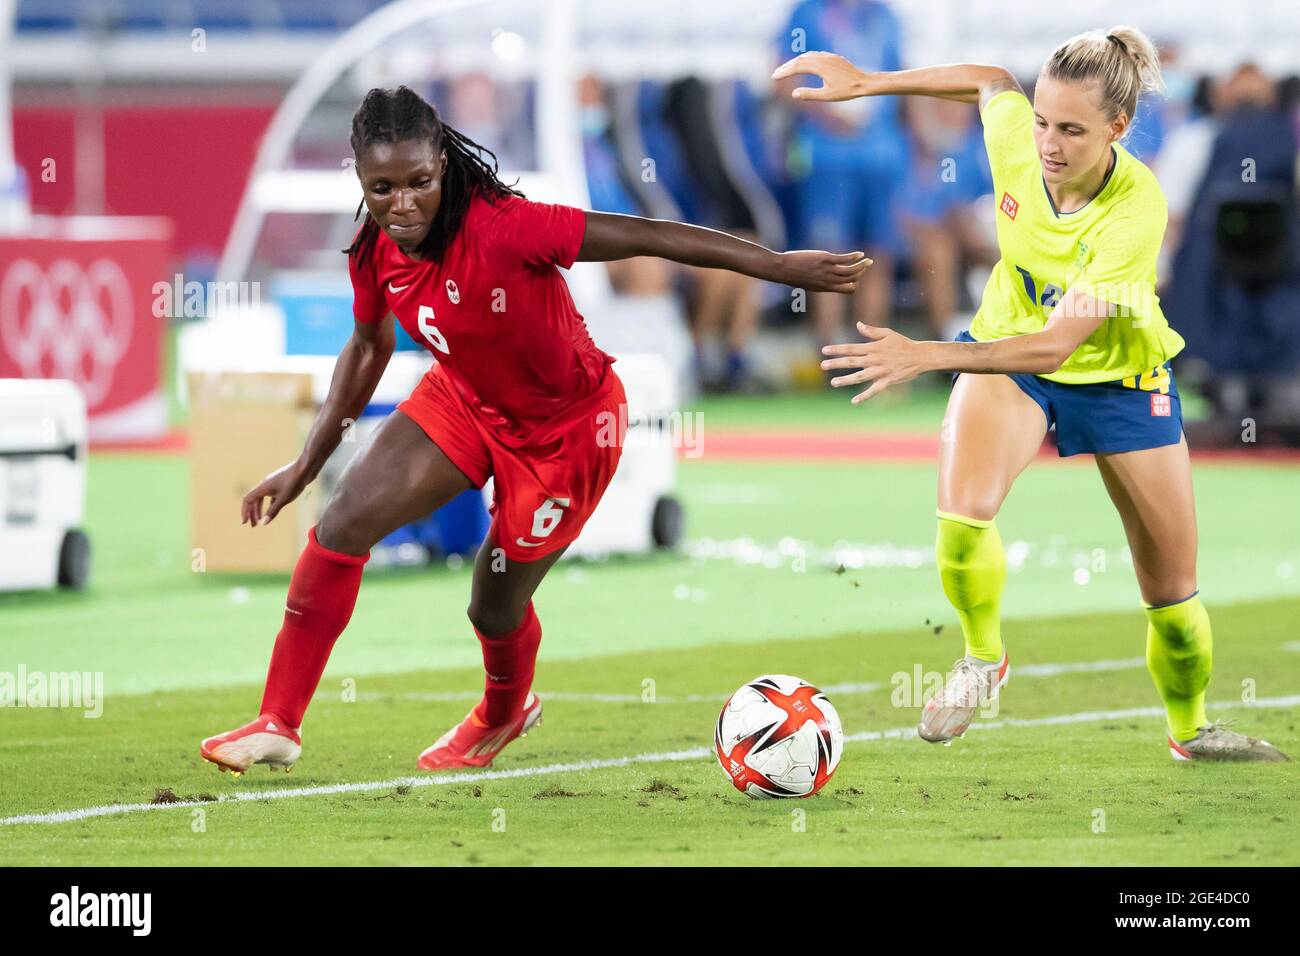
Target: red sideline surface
pixel 904 446
pixel 175 442
pixel 787 445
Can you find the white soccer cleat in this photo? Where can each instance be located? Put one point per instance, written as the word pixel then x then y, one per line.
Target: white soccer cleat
pixel 263 740
pixel 1215 742
pixel 971 686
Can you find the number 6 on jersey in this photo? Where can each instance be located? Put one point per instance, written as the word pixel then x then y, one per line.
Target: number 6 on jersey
pixel 548 516
pixel 430 331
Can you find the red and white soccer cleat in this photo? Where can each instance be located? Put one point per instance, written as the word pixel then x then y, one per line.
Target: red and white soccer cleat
pixel 263 740
pixel 470 744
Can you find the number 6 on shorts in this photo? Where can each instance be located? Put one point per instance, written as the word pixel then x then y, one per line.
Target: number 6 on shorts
pixel 548 516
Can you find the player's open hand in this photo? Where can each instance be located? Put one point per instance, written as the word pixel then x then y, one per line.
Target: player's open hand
pixel 281 486
pixel 841 80
pixel 819 271
pixel 887 358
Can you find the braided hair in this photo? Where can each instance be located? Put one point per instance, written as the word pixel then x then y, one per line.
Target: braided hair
pixel 392 116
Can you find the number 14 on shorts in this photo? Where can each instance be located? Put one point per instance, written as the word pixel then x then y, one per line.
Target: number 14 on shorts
pixel 545 520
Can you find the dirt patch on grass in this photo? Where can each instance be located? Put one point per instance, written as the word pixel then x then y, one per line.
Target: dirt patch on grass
pixel 550 792
pixel 663 786
pixel 168 795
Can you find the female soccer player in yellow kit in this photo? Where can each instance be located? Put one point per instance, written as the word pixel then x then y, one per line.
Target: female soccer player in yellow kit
pixel 1069 333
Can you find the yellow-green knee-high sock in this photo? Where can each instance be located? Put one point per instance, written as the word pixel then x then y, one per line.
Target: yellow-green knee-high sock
pixel 1179 657
pixel 973 569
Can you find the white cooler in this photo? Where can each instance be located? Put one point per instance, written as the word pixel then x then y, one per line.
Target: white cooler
pixel 42 485
pixel 639 512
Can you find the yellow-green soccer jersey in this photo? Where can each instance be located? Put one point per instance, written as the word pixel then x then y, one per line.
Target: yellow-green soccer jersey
pixel 1107 249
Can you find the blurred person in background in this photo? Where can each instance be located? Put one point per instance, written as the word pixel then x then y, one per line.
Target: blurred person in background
pixel 849 157
pixel 1158 116
pixel 724 320
pixel 639 275
pixel 1180 165
pixel 946 177
pixel 1235 281
pixel 486 109
pixel 1184 157
pixel 722 306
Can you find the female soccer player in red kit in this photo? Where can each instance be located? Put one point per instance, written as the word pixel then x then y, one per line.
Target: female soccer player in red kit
pixel 519 392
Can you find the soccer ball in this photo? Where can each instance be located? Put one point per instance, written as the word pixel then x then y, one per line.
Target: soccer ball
pixel 778 736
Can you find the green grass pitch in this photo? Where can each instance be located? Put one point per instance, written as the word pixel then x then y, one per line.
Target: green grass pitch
pixel 822 569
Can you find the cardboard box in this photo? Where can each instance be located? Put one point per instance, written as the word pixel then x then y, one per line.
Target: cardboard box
pixel 243 426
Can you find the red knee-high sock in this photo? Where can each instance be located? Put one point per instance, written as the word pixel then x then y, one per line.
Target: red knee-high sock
pixel 321 597
pixel 509 661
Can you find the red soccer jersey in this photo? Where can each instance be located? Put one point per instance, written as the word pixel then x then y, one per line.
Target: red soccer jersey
pixel 495 312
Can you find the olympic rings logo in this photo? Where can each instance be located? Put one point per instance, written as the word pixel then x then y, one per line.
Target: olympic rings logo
pixel 67 322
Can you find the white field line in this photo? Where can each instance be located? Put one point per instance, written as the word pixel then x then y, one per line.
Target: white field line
pixel 695 753
pixel 454 695
pixel 832 690
pixel 1076 667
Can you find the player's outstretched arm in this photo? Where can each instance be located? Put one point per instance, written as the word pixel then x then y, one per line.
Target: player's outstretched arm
pixel 356 374
pixel 841 80
pixel 889 358
pixel 609 236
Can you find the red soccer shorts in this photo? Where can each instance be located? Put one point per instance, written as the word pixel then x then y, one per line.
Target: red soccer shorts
pixel 544 493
